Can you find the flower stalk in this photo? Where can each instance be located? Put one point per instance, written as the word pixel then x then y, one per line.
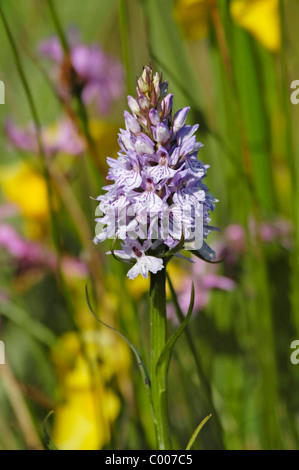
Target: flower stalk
pixel 158 329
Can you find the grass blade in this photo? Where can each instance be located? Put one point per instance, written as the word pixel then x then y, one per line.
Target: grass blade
pixel 33 327
pixel 197 431
pixel 47 439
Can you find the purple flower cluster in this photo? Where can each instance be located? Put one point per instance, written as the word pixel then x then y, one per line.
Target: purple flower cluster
pixel 99 76
pixel 158 196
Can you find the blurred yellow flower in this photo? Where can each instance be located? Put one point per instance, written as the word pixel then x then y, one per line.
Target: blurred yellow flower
pixel 26 188
pixel 137 287
pixel 193 16
pixel 177 273
pixel 82 421
pixel 88 405
pixel 259 17
pixel 105 136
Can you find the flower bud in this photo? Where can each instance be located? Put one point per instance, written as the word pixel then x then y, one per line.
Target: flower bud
pixel 147 75
pixel 163 89
pixel 167 105
pixel 144 145
pixel 143 87
pixel 180 119
pixel 156 83
pixel 154 117
pixel 131 123
pixel 133 105
pixel 162 133
pixel 143 102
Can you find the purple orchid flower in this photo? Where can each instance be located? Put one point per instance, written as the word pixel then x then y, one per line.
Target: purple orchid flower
pixel 158 188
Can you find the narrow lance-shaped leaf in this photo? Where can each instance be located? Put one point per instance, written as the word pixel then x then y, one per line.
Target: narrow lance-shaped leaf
pixel 140 363
pixel 199 256
pixel 165 356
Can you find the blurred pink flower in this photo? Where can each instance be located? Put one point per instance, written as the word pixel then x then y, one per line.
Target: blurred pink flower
pixel 30 254
pixel 278 230
pixel 4 296
pixel 230 248
pixel 60 138
pixel 8 210
pixel 99 75
pixel 24 250
pixel 236 235
pixel 74 267
pixel 206 278
pixel 233 244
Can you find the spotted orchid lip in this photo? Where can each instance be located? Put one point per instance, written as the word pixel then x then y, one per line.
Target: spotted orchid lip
pixel 137 252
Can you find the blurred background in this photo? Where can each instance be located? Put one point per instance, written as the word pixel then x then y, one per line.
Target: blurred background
pixel 67 68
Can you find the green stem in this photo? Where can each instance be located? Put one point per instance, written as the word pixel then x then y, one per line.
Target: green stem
pixel 84 119
pixel 125 39
pixel 158 340
pixel 58 26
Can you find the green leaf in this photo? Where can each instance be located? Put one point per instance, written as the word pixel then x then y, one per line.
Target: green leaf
pixel 197 431
pixel 255 116
pixel 121 260
pixel 199 256
pixel 140 363
pixel 164 359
